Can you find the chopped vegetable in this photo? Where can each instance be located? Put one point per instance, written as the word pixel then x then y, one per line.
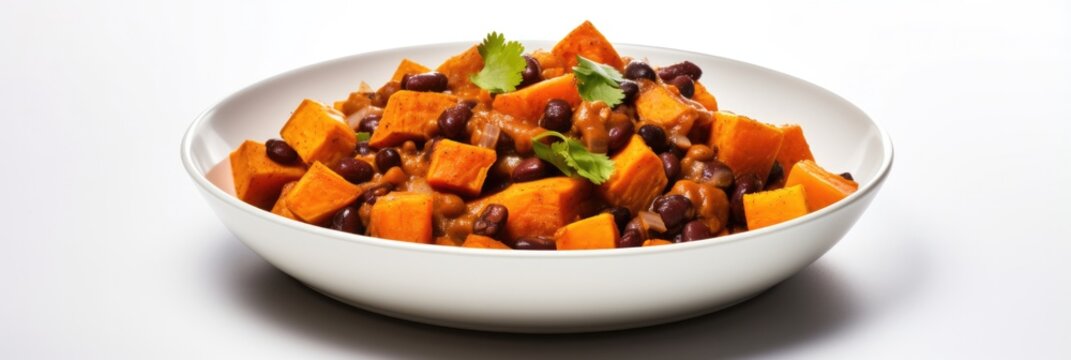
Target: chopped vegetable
pixel 570 156
pixel 257 179
pixel 596 232
pixel 823 187
pixel 598 82
pixel 318 133
pixel 403 216
pixel 363 136
pixel 502 64
pixel 773 207
pixel 319 194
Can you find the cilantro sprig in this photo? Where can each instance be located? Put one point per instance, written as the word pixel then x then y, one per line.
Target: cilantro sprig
pixel 596 81
pixel 502 64
pixel 572 158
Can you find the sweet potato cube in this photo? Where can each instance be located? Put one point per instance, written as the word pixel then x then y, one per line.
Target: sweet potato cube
pixel 794 148
pixel 775 206
pixel 585 40
pixel 403 216
pixel 537 208
pixel 257 179
pixel 405 115
pixel 483 242
pixel 527 104
pixel 823 187
pixel 596 232
pixel 656 242
pixel 459 68
pixel 408 67
pixel 704 97
pixel 656 103
pixel 637 179
pixel 459 168
pixel 747 146
pixel 280 205
pixel 319 133
pixel 319 194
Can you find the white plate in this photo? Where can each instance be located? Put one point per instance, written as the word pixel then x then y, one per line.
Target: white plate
pixel 533 291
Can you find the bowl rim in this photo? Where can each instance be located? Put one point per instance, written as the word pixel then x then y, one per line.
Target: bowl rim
pixel 196 127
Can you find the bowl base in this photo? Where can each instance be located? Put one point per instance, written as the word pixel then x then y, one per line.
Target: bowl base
pixel 542 329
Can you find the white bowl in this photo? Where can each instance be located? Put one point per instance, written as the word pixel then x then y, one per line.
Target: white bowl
pixel 535 291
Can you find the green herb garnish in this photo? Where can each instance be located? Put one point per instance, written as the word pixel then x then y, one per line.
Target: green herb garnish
pixel 596 81
pixel 502 64
pixel 363 136
pixel 572 158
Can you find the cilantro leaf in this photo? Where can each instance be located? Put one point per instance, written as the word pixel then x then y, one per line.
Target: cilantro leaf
pixel 572 158
pixel 502 64
pixel 363 136
pixel 596 81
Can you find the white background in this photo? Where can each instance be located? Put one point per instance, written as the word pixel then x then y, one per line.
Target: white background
pixel 109 252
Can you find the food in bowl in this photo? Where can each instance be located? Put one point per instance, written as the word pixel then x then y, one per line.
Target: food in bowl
pixel 568 149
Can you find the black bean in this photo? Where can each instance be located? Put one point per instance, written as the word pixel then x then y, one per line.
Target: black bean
pixel 619 135
pixel 281 152
pixel 674 209
pixel 777 173
pixel 655 138
pixel 633 235
pixel 354 170
pixel 718 174
pixel 686 68
pixel 430 81
pixel 405 79
pixel 621 216
pixel 370 195
pixel 491 221
pixel 695 230
pixel 636 70
pixel 531 243
pixel 631 89
pixel 505 144
pixel 363 149
pixel 369 123
pixel 529 169
pixel 745 184
pixel 470 103
pixel 685 85
pixel 532 74
pixel 557 116
pixel 671 164
pixel 348 220
pixel 847 176
pixel 388 158
pixel 453 122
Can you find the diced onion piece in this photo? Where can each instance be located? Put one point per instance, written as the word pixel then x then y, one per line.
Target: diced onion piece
pixel 488 137
pixel 653 221
pixel 680 141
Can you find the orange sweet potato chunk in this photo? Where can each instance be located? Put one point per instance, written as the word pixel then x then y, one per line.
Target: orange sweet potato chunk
pixel 596 232
pixel 585 40
pixel 405 115
pixel 459 69
pixel 704 97
pixel 794 148
pixel 538 208
pixel 408 67
pixel 656 242
pixel 257 179
pixel 658 104
pixel 823 187
pixel 527 104
pixel 483 242
pixel 747 146
pixel 403 216
pixel 280 205
pixel 319 133
pixel 459 168
pixel 775 206
pixel 637 179
pixel 319 194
